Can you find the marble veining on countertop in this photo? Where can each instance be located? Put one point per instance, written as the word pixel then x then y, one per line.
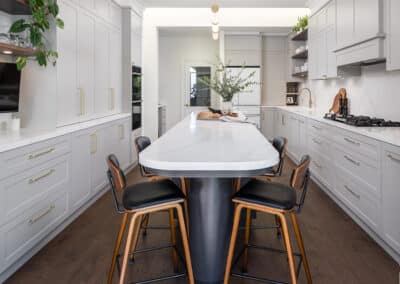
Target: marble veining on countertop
pixel 390 135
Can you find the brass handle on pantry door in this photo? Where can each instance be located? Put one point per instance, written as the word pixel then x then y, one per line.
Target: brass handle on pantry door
pixel 82 106
pixel 93 143
pixel 112 94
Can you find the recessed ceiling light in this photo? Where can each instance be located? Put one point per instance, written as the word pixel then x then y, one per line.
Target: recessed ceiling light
pixel 7 52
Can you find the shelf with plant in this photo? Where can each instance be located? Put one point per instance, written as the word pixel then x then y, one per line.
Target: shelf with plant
pixel 44 14
pixel 301 29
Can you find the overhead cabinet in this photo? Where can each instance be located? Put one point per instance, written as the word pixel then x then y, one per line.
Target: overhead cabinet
pixel 393 34
pixel 360 31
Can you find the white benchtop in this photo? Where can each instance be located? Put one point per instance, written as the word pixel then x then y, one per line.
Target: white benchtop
pixel 390 135
pixel 14 139
pixel 198 145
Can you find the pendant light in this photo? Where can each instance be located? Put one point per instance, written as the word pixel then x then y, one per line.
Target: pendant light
pixel 214 22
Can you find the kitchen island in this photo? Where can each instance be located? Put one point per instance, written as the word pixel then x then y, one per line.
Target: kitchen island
pixel 211 154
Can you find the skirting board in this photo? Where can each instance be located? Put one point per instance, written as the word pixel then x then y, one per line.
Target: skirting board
pixel 19 263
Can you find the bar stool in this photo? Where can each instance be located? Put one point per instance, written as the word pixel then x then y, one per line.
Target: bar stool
pixel 279 200
pixel 137 201
pixel 141 143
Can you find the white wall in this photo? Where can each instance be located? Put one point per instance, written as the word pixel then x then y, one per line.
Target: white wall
pixel 274 61
pixel 374 93
pixel 154 18
pixel 175 51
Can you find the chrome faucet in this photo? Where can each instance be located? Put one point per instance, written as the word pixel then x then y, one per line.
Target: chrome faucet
pixel 309 96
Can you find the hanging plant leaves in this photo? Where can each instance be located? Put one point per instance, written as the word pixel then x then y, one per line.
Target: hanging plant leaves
pixel 44 12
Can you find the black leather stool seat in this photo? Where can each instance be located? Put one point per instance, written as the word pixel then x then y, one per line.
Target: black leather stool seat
pixel 150 194
pixel 269 194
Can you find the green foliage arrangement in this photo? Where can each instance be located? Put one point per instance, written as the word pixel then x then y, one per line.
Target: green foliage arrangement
pixel 226 84
pixel 302 24
pixel 44 12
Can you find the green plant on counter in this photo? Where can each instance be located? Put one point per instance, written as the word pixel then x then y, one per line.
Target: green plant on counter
pixel 226 84
pixel 302 24
pixel 44 12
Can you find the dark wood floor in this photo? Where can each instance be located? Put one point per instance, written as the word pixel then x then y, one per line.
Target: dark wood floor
pixel 339 251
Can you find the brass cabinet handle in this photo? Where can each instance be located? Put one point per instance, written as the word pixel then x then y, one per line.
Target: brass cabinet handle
pixel 316 141
pixel 390 156
pixel 112 94
pixel 82 100
pixel 41 215
pixel 351 141
pixel 35 179
pixel 351 160
pixel 93 143
pixel 37 155
pixel 352 192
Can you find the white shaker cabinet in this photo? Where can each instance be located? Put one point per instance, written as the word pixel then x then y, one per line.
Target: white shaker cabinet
pixel 99 151
pixel 268 122
pixel 115 62
pixel 345 22
pixel 102 8
pixel 391 195
pixel 103 95
pixel 79 191
pixel 122 148
pixel 69 108
pixel 393 34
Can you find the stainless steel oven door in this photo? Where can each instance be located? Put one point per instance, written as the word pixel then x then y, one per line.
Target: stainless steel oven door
pixel 136 115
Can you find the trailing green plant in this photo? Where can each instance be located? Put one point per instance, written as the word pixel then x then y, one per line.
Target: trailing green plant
pixel 44 13
pixel 226 84
pixel 302 24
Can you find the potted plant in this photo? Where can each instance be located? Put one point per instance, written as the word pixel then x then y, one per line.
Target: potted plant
pixel 227 85
pixel 44 14
pixel 302 24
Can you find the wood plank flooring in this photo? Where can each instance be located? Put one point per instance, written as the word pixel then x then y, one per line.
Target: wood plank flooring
pixel 339 251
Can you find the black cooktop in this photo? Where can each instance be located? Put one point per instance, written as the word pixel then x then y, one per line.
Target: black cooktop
pixel 362 121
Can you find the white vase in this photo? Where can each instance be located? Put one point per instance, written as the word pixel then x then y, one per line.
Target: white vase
pixel 226 107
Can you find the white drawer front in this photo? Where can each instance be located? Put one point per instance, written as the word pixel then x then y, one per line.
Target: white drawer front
pixel 319 128
pixel 24 232
pixel 20 191
pixel 319 144
pixel 322 169
pixel 362 167
pixel 18 160
pixel 360 144
pixel 355 194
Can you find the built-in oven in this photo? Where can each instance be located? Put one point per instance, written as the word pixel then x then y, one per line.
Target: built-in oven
pixel 136 97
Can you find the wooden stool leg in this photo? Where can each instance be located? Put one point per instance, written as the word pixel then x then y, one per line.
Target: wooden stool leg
pixel 300 243
pixel 136 236
pixel 246 241
pixel 185 203
pixel 285 233
pixel 173 239
pixel 117 247
pixel 128 247
pixel 231 251
pixel 185 244
pixel 236 185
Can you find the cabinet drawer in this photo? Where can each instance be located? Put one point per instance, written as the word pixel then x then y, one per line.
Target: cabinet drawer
pixel 319 144
pixel 361 167
pixel 357 143
pixel 18 160
pixel 355 194
pixel 319 128
pixel 322 169
pixel 20 191
pixel 21 234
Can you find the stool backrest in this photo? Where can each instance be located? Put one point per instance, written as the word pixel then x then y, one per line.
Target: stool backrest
pixel 141 143
pixel 280 144
pixel 117 179
pixel 299 179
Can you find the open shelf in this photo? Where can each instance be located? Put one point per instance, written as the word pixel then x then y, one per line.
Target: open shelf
pixel 16 50
pixel 300 74
pixel 301 36
pixel 15 7
pixel 301 55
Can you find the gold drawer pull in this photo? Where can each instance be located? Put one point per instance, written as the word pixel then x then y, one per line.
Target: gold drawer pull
pixel 393 158
pixel 35 179
pixel 40 216
pixel 37 155
pixel 351 160
pixel 351 141
pixel 352 192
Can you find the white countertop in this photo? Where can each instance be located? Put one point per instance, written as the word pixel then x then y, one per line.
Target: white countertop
pixel 390 135
pixel 198 145
pixel 14 139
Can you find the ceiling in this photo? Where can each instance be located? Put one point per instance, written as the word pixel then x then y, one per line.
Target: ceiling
pixel 227 3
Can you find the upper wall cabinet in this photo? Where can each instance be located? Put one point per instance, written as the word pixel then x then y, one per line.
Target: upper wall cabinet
pixel 136 39
pixel 243 50
pixel 359 31
pixel 393 34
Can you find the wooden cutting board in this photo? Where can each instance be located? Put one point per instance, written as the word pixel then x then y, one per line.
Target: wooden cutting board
pixel 336 101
